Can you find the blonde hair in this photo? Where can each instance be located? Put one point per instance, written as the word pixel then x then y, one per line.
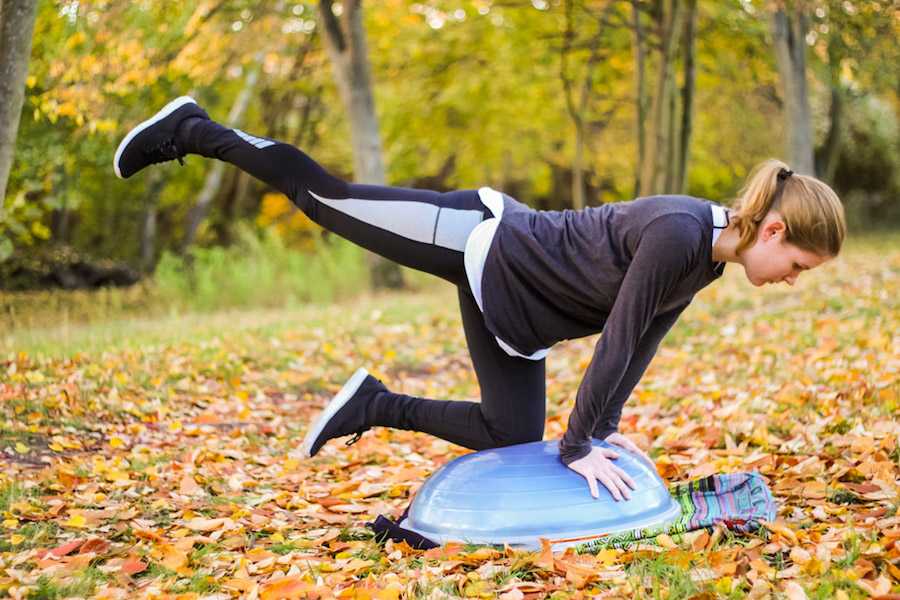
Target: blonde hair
pixel 812 213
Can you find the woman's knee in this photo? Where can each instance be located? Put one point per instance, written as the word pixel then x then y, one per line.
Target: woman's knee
pixel 518 433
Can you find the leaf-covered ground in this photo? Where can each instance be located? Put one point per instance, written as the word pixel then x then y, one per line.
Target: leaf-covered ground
pixel 173 470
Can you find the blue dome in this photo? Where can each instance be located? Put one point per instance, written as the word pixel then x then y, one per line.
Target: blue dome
pixel 518 494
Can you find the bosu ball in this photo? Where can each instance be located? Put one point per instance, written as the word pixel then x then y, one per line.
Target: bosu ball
pixel 518 494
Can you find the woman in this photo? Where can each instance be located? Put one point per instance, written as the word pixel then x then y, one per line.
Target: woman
pixel 527 279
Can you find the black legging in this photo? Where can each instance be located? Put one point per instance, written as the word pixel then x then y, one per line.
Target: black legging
pixel 422 229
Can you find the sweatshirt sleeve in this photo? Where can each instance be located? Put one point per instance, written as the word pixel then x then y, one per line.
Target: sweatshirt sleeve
pixel 666 251
pixel 646 350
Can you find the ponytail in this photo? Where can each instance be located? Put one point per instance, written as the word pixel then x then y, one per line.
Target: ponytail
pixel 812 213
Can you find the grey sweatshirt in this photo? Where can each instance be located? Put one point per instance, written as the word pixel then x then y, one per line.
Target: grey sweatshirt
pixel 627 269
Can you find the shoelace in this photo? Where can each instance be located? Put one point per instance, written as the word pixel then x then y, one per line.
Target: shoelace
pixel 167 150
pixel 355 438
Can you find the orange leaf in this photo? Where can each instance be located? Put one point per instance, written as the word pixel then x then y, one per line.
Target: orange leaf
pixel 199 524
pixel 545 558
pixel 60 551
pixel 448 550
pixel 207 418
pixel 782 529
pixel 285 587
pixel 189 486
pixel 147 534
pixel 133 565
pixel 95 545
pixel 700 541
pixel 173 558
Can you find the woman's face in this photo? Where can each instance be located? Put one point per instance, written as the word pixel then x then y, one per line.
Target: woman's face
pixel 772 260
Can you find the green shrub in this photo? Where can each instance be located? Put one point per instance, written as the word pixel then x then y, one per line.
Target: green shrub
pixel 259 270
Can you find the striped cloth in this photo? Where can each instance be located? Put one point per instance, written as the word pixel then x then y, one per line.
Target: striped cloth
pixel 737 500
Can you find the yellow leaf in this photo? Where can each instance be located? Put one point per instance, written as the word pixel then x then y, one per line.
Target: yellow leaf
pixel 607 557
pixel 31 81
pixel 21 448
pixel 16 539
pixel 67 109
pixel 35 377
pixel 76 521
pixel 116 442
pixel 10 523
pixel 782 529
pixel 117 475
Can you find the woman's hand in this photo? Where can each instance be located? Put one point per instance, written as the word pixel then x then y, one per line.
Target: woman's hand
pixel 597 466
pixel 623 442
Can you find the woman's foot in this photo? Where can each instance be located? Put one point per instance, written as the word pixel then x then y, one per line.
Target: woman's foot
pixel 155 140
pixel 345 414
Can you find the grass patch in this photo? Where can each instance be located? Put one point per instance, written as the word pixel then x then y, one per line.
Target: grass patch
pixel 828 586
pixel 82 585
pixel 657 578
pixel 51 338
pixel 851 551
pixel 14 491
pixel 36 535
pixel 283 548
pixel 199 583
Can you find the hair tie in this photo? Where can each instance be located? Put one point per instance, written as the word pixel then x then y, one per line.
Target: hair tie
pixel 784 173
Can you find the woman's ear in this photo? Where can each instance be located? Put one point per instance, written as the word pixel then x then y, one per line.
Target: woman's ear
pixel 772 227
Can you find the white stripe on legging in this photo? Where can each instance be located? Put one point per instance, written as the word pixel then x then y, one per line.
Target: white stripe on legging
pixel 417 221
pixel 252 139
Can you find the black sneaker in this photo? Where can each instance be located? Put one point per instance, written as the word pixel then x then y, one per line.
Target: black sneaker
pixel 154 140
pixel 345 414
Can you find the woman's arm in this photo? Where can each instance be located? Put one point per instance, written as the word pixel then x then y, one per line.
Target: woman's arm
pixel 646 350
pixel 668 249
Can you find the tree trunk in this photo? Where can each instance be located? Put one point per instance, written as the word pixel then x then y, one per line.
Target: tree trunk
pixel 656 165
pixel 641 97
pixel 576 113
pixel 148 230
pixel 827 165
pixel 60 223
pixel 834 139
pixel 16 28
pixel 687 100
pixel 578 200
pixel 789 27
pixel 216 175
pixel 669 163
pixel 345 41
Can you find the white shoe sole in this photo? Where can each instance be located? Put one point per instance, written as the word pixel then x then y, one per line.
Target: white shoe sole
pixel 336 403
pixel 162 114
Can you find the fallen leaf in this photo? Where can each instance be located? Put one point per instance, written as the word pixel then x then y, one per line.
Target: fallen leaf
pixel 65 549
pixel 133 565
pixel 794 591
pixel 285 588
